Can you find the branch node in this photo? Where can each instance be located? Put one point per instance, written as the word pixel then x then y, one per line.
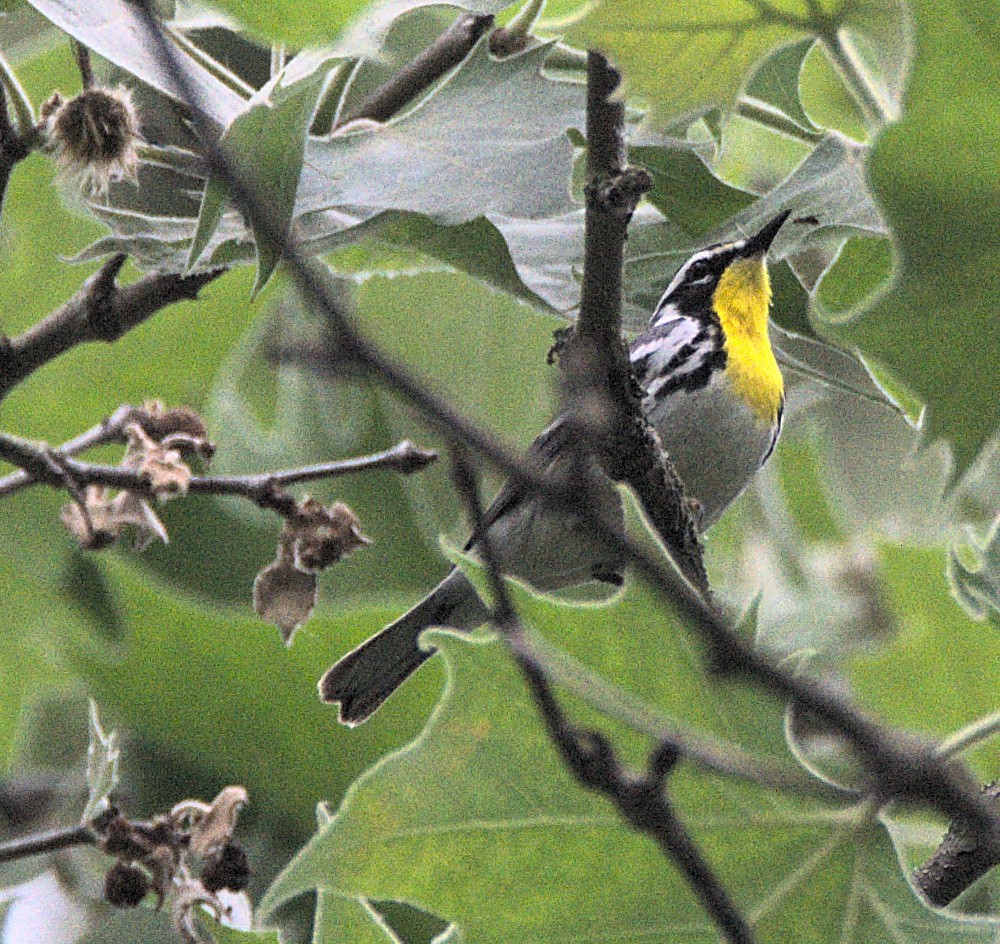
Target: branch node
pixel 408 458
pixel 592 758
pixel 619 193
pixel 102 288
pixel 663 760
pixel 274 498
pixel 644 806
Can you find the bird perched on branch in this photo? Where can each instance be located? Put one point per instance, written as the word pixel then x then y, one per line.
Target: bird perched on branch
pixel 714 394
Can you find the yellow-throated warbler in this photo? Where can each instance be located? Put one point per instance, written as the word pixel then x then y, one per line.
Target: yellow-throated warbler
pixel 714 393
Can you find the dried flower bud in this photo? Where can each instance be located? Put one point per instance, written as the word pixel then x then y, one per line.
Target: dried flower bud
pixel 178 428
pixel 91 524
pixel 229 868
pixel 320 537
pixel 94 136
pixel 284 595
pixel 102 520
pixel 123 841
pixel 125 885
pixel 160 422
pixel 163 468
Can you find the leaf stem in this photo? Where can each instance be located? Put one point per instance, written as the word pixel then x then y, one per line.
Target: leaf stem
pixel 762 114
pixel 854 74
pixel 216 68
pixel 968 737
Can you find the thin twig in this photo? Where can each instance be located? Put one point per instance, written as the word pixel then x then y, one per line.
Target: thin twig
pixel 641 801
pixel 897 767
pixel 110 429
pixel 446 52
pixel 42 465
pixel 101 310
pixel 52 841
pixel 714 756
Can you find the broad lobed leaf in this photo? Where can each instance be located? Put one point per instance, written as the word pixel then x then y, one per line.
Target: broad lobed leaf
pixel 481 800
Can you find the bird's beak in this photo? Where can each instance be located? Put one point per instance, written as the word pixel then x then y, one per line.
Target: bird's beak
pixel 756 246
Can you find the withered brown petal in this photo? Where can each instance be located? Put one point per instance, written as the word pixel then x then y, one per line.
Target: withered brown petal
pixel 216 827
pixel 285 596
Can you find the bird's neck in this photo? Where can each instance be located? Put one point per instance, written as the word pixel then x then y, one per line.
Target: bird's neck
pixel 741 300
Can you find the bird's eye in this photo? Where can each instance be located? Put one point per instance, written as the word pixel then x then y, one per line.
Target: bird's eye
pixel 700 271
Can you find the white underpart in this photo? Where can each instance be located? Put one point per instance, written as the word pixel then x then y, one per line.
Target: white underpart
pixel 715 442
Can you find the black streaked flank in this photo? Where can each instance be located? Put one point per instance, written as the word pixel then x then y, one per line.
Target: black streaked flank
pixel 690 367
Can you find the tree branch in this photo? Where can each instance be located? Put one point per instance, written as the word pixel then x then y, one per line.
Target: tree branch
pixel 961 859
pixel 110 429
pixel 52 841
pixel 598 379
pixel 641 801
pixel 101 310
pixel 42 465
pixel 446 52
pixel 897 767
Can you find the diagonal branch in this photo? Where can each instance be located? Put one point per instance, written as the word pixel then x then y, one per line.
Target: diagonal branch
pixel 446 52
pixel 101 310
pixel 640 800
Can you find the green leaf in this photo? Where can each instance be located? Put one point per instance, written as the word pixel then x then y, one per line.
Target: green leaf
pixel 862 268
pixel 776 81
pixel 826 99
pixel 340 918
pixel 490 140
pixel 288 21
pixel 482 801
pixel 476 247
pixel 266 144
pixel 223 934
pixel 950 653
pixel 826 363
pixel 938 328
pixel 688 57
pixel 116 30
pixel 102 767
pixel 978 588
pixel 685 190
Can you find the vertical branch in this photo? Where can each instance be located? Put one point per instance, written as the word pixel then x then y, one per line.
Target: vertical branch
pixel 599 387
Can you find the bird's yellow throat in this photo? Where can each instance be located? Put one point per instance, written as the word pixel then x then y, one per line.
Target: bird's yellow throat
pixel 741 301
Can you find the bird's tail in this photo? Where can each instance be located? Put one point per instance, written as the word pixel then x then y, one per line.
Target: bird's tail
pixel 363 679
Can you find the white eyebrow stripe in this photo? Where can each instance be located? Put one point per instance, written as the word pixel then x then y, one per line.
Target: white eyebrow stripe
pixel 697 257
